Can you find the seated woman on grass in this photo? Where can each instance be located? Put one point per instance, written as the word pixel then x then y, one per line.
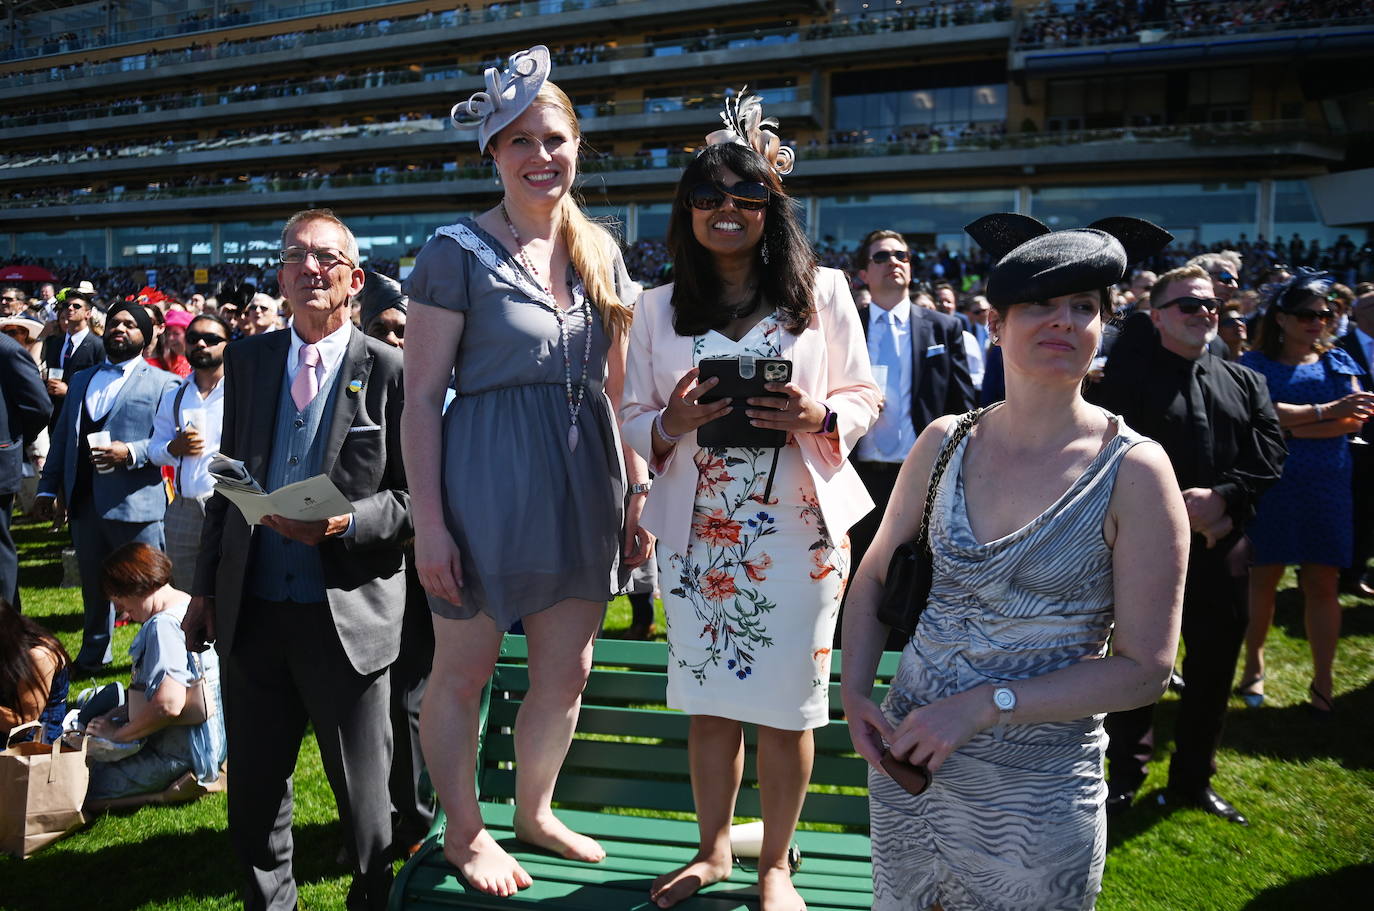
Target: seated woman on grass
pixel 33 676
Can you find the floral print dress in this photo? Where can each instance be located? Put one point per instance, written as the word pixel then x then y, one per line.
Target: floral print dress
pixel 751 606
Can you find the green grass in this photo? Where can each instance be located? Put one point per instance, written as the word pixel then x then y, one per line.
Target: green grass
pixel 1307 787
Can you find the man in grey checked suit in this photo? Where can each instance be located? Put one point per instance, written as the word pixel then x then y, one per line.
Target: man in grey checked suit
pixel 308 614
pixel 112 494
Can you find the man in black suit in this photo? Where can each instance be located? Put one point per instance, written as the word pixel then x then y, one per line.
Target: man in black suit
pixel 24 411
pixel 309 613
pixel 75 348
pixel 919 362
pixel 1359 343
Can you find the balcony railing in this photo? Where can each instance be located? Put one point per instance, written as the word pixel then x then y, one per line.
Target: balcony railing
pixel 1200 24
pixel 1252 133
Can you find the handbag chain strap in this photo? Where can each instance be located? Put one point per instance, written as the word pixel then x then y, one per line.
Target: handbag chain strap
pixel 941 462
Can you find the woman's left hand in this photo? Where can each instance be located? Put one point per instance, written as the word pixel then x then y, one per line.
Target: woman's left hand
pixel 930 733
pixel 101 726
pixel 639 543
pixel 797 413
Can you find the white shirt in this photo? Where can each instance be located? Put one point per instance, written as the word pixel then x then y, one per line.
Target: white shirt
pixel 889 345
pixel 75 342
pixel 332 349
pixel 193 478
pixel 105 385
pixel 976 362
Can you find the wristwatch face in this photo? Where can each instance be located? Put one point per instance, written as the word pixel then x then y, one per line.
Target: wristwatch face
pixel 1004 698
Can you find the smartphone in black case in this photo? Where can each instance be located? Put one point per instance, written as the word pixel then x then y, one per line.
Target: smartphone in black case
pixel 741 378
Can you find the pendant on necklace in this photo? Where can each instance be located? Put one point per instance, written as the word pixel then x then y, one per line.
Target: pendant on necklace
pixel 572 437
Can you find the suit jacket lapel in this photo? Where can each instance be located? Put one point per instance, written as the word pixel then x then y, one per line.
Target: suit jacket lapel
pixel 266 374
pixel 354 370
pixel 1351 343
pixel 863 320
pixel 130 385
pixel 922 337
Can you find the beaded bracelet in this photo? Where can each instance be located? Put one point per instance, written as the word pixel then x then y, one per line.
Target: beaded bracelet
pixel 664 435
pixel 1319 411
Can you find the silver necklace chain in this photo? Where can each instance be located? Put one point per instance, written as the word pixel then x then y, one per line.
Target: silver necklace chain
pixel 574 399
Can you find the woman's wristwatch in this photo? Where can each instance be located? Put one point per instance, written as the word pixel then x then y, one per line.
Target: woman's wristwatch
pixel 829 421
pixel 640 488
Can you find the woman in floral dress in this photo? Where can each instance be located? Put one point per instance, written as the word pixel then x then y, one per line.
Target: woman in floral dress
pixel 751 583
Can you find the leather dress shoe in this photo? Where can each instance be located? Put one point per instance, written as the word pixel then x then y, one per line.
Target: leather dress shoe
pixel 80 669
pixel 1207 800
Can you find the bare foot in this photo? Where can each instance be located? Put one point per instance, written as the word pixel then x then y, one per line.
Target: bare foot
pixel 684 882
pixel 549 833
pixel 486 865
pixel 776 892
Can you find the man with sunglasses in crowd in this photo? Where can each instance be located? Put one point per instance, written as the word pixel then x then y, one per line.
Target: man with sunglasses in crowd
pixel 186 434
pixel 13 302
pixel 308 613
pixel 919 363
pixel 1217 424
pixel 73 349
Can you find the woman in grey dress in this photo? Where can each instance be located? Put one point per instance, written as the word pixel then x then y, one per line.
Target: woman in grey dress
pixel 521 486
pixel 1054 526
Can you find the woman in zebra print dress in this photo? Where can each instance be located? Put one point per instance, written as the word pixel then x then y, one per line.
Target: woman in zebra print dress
pixel 1054 526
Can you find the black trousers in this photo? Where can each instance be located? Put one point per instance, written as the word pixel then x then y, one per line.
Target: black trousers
pixel 412 811
pixel 1362 489
pixel 1215 614
pixel 288 669
pixel 880 478
pixel 9 555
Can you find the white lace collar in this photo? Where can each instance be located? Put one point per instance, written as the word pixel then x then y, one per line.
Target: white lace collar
pixel 505 269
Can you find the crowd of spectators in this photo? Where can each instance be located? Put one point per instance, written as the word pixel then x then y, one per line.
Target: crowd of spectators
pixel 1056 23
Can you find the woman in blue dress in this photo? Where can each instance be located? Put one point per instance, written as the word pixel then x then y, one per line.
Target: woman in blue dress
pixel 33 676
pixel 1305 518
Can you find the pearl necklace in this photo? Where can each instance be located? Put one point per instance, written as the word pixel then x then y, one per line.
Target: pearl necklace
pixel 574 400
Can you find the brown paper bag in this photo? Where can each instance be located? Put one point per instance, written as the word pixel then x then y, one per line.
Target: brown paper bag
pixel 42 788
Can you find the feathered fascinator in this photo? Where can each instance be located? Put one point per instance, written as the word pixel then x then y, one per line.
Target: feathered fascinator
pixel 746 126
pixel 1305 283
pixel 148 296
pixel 1034 263
pixel 509 92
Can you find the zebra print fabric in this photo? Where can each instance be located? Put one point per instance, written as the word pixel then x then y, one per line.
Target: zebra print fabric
pixel 1015 823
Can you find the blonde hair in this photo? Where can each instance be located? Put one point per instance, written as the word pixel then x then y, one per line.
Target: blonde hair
pixel 590 246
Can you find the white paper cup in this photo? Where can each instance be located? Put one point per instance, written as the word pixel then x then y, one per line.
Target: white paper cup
pixel 100 438
pixel 193 418
pixel 55 373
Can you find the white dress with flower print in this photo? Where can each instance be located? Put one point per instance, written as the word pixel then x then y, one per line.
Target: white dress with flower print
pixel 752 605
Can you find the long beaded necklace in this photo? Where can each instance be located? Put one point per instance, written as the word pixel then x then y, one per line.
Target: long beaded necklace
pixel 574 399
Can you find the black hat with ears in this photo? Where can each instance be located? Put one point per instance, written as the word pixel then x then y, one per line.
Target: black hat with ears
pixel 1035 263
pixel 380 293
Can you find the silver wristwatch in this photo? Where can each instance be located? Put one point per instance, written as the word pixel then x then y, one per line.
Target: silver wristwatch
pixel 1005 700
pixel 640 488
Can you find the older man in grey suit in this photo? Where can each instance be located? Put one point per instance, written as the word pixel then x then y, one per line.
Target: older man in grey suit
pixel 308 614
pixel 111 492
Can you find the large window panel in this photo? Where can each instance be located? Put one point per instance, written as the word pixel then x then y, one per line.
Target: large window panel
pixel 1295 211
pixel 171 244
pixel 1206 212
pixel 928 216
pixel 63 247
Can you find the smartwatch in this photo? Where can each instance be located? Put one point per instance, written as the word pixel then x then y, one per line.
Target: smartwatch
pixel 829 421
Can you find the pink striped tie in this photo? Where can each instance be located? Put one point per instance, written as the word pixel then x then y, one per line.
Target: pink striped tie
pixel 306 385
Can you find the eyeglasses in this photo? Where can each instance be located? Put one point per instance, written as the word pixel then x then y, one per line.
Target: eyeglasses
pixel 210 339
pixel 1191 305
pixel 261 308
pixel 750 197
pixel 1226 278
pixel 882 256
pixel 327 259
pixel 11 299
pixel 1308 316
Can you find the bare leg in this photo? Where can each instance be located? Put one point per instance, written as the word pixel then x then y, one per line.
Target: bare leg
pixel 715 748
pixel 1322 615
pixel 785 759
pixel 464 655
pixel 560 643
pixel 1264 583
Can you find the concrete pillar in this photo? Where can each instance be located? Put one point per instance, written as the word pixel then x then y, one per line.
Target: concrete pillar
pixel 1023 200
pixel 813 218
pixel 1264 209
pixel 109 247
pixel 216 246
pixel 631 222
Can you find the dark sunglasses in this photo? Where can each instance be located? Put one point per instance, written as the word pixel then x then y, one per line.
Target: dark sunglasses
pixel 67 305
pixel 1226 278
pixel 1191 305
pixel 747 196
pixel 882 256
pixel 1308 316
pixel 210 339
pixel 259 307
pixel 10 300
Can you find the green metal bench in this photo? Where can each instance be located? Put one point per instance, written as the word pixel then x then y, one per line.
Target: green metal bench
pixel 626 783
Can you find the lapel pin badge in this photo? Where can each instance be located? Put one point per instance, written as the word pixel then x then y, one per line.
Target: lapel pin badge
pixel 355 386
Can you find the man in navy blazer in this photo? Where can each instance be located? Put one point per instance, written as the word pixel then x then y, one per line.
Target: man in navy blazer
pixel 920 364
pixel 73 349
pixel 1359 344
pixel 24 409
pixel 111 493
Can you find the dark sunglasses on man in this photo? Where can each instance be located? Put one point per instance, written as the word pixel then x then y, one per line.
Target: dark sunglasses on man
pixel 210 339
pixel 1191 305
pixel 1226 278
pixel 882 256
pixel 746 195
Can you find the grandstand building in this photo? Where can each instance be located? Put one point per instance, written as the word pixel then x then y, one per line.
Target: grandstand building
pixel 183 131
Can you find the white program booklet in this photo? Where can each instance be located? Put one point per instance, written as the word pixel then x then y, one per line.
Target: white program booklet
pixel 310 500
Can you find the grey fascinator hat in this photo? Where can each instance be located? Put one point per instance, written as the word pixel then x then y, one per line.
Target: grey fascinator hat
pixel 508 93
pixel 1034 263
pixel 1305 283
pixel 745 125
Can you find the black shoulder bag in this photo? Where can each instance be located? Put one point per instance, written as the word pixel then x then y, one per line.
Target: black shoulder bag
pixel 910 571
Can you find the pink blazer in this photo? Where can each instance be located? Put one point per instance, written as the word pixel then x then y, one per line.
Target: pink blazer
pixel 829 362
